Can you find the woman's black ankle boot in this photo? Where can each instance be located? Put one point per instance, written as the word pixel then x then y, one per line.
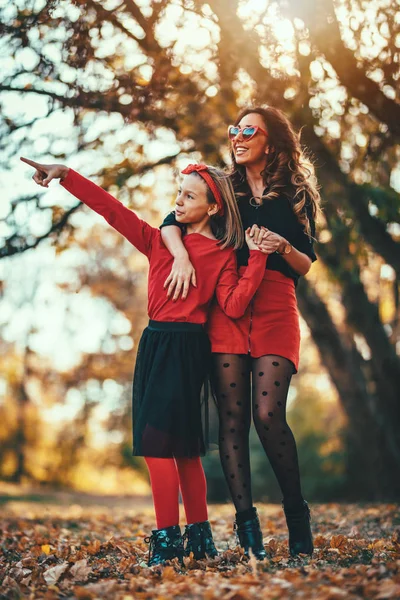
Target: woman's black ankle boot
pixel 165 544
pixel 300 536
pixel 200 540
pixel 248 530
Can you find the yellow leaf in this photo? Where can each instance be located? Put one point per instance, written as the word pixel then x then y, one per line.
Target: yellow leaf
pixel 46 548
pixel 169 573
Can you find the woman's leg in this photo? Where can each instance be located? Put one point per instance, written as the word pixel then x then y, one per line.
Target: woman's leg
pixel 193 488
pixel 271 380
pixel 231 382
pixel 165 489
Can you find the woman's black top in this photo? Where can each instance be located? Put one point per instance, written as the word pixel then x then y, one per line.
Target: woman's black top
pixel 276 215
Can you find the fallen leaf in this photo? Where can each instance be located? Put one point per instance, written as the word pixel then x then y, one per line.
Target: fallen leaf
pixel 93 590
pixel 52 575
pixel 354 532
pixel 356 556
pixel 388 589
pixel 339 542
pixel 80 570
pixel 169 573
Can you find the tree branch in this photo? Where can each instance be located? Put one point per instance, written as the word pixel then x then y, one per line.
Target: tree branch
pixel 18 244
pixel 356 199
pixel 111 16
pixel 244 49
pixel 320 19
pixel 149 42
pixel 87 100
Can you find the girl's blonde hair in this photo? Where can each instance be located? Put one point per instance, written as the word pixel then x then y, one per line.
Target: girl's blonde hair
pixel 289 171
pixel 227 227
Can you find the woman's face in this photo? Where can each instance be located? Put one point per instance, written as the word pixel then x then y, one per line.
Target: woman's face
pixel 191 204
pixel 254 150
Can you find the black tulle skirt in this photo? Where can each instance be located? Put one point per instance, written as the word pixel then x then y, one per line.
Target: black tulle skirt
pixel 171 369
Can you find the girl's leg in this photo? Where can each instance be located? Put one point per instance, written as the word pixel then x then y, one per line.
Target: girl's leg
pixel 271 380
pixel 193 488
pixel 165 489
pixel 194 494
pixel 231 382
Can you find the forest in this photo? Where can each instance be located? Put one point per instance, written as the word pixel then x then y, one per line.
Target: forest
pixel 128 93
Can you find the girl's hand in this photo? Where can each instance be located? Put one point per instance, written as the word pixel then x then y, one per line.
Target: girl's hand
pixel 254 236
pixel 271 242
pixel 182 275
pixel 45 173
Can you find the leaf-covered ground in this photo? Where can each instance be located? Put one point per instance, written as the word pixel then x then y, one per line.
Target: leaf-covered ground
pixel 90 552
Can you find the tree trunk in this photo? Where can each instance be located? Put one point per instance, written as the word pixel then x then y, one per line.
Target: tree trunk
pixel 20 441
pixel 367 447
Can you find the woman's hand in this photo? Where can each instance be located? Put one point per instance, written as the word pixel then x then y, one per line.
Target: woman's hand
pixel 270 242
pixel 254 236
pixel 45 173
pixel 182 275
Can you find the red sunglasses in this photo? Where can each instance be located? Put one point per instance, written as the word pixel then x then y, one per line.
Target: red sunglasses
pixel 247 132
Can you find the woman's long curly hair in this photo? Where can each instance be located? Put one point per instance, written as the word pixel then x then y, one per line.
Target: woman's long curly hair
pixel 288 170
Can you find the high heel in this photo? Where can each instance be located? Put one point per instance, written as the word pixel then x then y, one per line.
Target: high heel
pixel 165 544
pixel 300 536
pixel 200 540
pixel 250 536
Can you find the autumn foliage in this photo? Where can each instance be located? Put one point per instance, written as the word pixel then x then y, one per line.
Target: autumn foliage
pixel 101 553
pixel 131 92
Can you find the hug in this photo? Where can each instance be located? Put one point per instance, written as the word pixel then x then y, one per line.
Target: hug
pixel 223 269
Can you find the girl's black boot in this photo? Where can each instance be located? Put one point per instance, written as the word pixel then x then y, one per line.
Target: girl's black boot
pixel 300 536
pixel 249 534
pixel 165 544
pixel 200 540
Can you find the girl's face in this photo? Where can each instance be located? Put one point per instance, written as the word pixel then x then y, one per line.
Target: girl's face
pixel 253 150
pixel 191 204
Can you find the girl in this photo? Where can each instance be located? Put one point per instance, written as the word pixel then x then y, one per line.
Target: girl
pixel 275 188
pixel 173 354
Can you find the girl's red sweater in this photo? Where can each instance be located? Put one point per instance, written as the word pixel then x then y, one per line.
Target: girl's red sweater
pixel 215 267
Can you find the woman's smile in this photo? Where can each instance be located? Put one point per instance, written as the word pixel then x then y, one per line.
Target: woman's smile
pixel 240 149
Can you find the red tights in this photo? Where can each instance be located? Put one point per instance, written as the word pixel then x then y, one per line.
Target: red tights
pixel 168 476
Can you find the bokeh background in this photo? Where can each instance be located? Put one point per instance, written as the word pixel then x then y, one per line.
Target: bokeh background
pixel 128 92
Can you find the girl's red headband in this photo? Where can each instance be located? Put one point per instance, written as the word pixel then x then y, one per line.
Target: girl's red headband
pixel 202 170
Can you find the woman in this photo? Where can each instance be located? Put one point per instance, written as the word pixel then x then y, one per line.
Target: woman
pixel 173 354
pixel 255 357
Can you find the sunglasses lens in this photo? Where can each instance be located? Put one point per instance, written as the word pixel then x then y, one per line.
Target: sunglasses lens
pixel 232 132
pixel 248 132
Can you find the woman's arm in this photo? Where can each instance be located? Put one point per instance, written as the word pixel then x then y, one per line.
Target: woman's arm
pixel 234 293
pixel 125 221
pixel 298 261
pixel 182 273
pixel 270 242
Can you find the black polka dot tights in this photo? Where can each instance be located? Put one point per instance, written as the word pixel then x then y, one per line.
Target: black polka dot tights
pixel 243 385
